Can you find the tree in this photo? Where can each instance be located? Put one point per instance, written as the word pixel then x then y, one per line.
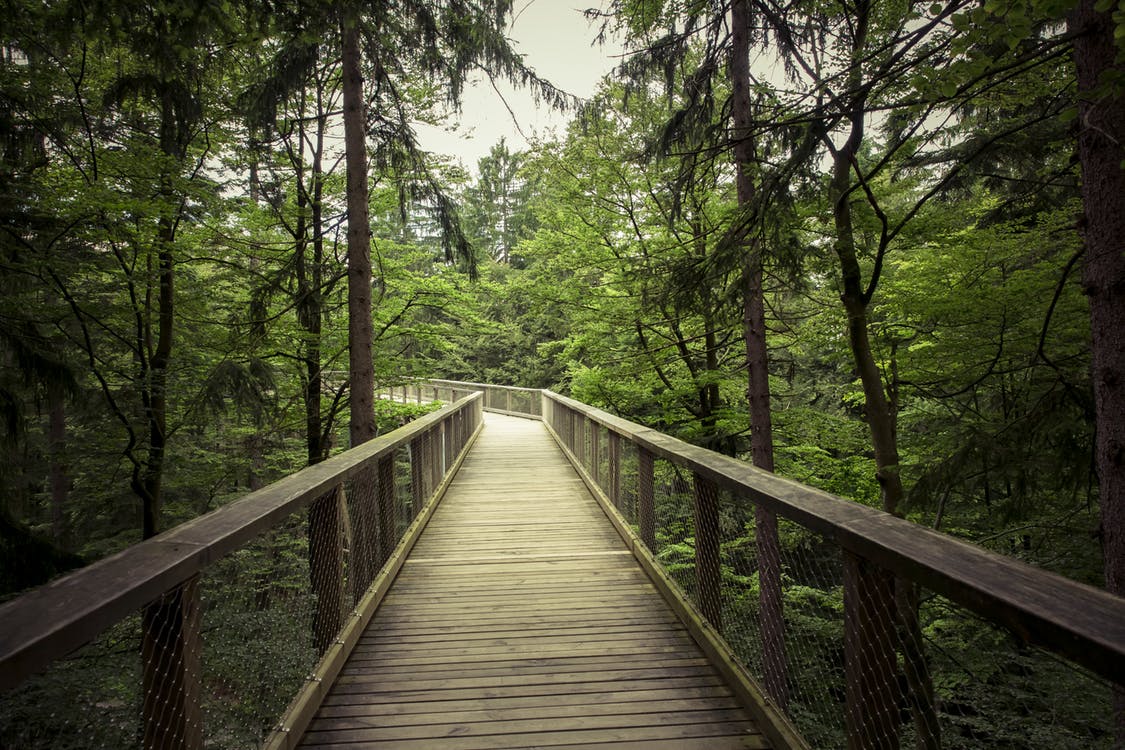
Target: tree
pixel 496 208
pixel 1098 56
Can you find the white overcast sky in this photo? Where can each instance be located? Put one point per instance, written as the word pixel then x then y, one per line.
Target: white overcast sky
pixel 558 43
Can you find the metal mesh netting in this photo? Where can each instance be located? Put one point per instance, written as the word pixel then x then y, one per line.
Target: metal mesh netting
pixel 216 661
pixel 850 653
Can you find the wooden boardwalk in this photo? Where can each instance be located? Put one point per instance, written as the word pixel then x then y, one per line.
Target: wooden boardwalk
pixel 520 620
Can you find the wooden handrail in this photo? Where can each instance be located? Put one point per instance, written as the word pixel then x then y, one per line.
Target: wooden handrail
pixel 454 387
pixel 1083 623
pixel 464 383
pixel 53 620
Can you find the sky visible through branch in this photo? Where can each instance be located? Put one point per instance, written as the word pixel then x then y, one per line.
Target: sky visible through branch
pixel 558 43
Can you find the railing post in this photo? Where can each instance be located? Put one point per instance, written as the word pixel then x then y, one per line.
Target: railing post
pixel 446 439
pixel 595 452
pixel 646 508
pixel 433 457
pixel 586 440
pixel 387 507
pixel 172 717
pixel 871 682
pixel 508 399
pixel 577 436
pixel 615 469
pixel 705 502
pixel 418 495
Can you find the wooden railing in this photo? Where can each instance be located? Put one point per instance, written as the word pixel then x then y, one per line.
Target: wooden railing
pixel 502 399
pixel 689 516
pixel 886 568
pixel 882 560
pixel 352 511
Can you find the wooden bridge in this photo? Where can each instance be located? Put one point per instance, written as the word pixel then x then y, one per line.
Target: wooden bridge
pixel 517 579
pixel 521 619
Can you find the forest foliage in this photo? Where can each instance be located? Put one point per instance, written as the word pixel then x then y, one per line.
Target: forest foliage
pixel 916 170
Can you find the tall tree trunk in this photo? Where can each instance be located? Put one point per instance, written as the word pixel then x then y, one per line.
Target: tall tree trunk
pixel 325 515
pixel 60 482
pixel 362 427
pixel 360 332
pixel 1101 149
pixel 154 386
pixel 170 624
pixel 880 409
pixel 771 619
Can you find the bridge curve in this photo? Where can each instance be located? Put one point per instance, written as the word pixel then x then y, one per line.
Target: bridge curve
pixel 521 619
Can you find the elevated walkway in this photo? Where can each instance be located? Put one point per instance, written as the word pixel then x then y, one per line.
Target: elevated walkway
pixel 520 619
pixel 564 579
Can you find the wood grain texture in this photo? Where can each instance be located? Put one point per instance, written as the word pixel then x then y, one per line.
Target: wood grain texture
pixel 521 620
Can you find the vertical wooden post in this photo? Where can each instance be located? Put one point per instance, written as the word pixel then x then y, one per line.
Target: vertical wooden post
pixel 433 457
pixel 871 682
pixel 170 644
pixel 418 494
pixel 326 564
pixel 705 502
pixel 387 505
pixel 615 469
pixel 646 508
pixel 446 446
pixel 587 441
pixel 595 451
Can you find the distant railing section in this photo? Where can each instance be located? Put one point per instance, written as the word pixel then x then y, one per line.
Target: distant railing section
pixel 503 399
pixel 202 636
pixel 866 630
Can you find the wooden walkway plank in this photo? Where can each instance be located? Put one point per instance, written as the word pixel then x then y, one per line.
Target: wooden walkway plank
pixel 520 620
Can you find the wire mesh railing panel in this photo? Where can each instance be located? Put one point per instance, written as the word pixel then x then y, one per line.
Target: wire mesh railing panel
pixel 215 660
pixel 351 529
pixel 984 687
pixel 257 635
pixel 790 629
pixel 89 699
pixel 674 525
